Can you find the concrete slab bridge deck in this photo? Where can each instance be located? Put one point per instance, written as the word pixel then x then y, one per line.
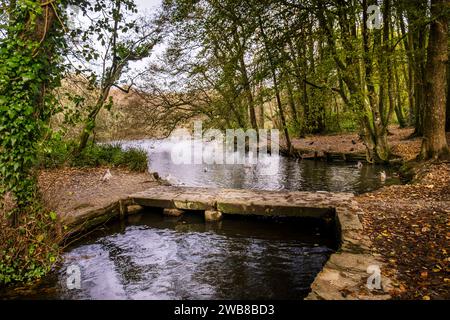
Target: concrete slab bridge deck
pixel 216 202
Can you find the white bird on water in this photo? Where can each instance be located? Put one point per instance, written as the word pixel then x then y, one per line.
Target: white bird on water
pixel 107 176
pixel 383 176
pixel 360 165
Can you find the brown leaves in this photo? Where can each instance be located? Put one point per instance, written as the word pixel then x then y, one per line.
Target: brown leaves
pixel 409 227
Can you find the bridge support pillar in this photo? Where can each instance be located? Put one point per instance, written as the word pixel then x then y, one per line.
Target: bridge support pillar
pixel 212 216
pixel 173 212
pixel 123 208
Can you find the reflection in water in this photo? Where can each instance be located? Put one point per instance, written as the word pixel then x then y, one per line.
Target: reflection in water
pixel 291 174
pixel 155 257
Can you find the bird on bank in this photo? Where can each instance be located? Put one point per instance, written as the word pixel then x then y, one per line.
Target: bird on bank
pixel 383 176
pixel 107 176
pixel 173 181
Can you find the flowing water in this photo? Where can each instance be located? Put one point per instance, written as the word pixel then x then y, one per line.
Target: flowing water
pixel 150 256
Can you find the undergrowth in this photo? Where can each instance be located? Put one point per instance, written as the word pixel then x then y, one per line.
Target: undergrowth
pixel 94 155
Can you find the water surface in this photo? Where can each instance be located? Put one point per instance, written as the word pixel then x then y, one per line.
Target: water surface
pixel 155 257
pixel 290 174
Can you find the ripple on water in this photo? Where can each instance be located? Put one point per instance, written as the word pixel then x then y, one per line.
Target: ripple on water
pixel 162 259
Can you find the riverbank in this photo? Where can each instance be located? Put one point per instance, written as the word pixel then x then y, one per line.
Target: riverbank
pixel 410 230
pixel 408 225
pixel 348 145
pixel 76 192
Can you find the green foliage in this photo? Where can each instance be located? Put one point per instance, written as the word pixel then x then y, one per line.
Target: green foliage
pixel 59 153
pixel 112 155
pixel 29 251
pixel 28 71
pixel 342 122
pixel 31 44
pixel 135 160
pixel 121 38
pixel 33 37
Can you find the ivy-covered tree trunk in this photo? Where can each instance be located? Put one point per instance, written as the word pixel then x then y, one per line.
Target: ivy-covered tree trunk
pixel 27 73
pixel 434 142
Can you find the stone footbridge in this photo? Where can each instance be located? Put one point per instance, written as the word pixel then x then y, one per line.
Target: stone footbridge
pixel 345 274
pixel 216 202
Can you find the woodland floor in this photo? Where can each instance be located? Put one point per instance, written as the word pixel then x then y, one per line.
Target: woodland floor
pixel 408 224
pixel 410 230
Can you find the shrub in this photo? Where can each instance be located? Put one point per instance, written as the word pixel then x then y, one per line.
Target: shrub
pixel 134 159
pixel 29 247
pixel 59 153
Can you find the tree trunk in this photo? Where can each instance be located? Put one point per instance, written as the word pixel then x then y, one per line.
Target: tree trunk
pixel 276 87
pixel 409 72
pixel 91 120
pixel 36 43
pixel 435 143
pixel 447 124
pixel 292 106
pixel 399 101
pixel 248 94
pixel 419 48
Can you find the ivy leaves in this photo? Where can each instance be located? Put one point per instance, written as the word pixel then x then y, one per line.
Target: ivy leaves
pixel 25 81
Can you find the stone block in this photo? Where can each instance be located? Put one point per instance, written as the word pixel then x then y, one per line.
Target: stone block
pixel 212 216
pixel 173 212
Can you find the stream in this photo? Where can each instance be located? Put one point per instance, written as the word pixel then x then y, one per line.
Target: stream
pixel 150 256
